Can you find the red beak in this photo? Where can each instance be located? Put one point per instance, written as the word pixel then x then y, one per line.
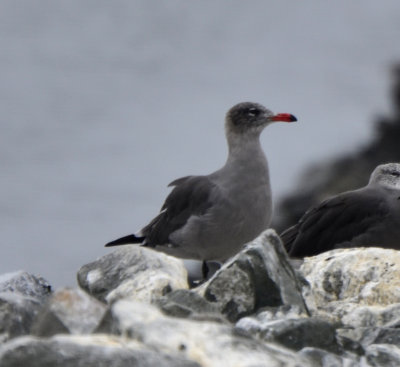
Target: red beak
pixel 286 117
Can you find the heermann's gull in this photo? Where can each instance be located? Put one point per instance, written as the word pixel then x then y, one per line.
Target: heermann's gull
pixel 366 217
pixel 211 217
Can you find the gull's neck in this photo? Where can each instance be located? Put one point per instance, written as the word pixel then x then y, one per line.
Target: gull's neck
pixel 244 148
pixel 246 160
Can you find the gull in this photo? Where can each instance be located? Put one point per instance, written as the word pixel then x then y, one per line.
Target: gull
pixel 369 216
pixel 211 217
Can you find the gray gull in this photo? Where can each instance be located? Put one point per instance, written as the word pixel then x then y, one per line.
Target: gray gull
pixel 211 217
pixel 369 216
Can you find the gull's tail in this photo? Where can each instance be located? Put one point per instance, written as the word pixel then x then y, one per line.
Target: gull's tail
pixel 130 239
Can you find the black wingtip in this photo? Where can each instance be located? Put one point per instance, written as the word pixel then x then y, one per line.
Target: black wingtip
pixel 127 240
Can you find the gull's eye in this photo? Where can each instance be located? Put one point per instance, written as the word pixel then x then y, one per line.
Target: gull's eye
pixel 253 111
pixel 395 173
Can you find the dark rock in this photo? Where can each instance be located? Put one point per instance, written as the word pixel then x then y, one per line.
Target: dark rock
pixel 259 276
pixel 295 333
pixel 85 351
pixel 132 271
pixel 69 311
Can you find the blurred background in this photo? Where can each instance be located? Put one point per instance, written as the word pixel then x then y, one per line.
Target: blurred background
pixel 104 103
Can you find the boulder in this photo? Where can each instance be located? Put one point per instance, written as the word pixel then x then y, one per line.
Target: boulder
pixel 22 295
pixel 205 342
pixel 135 272
pixel 85 351
pixel 259 276
pixel 69 311
pixel 349 285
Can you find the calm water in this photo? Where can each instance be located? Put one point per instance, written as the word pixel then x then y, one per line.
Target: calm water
pixel 104 103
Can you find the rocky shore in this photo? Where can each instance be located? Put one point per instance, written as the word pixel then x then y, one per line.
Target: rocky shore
pixel 133 307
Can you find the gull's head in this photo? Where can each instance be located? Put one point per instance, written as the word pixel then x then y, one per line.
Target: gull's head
pixel 251 118
pixel 387 175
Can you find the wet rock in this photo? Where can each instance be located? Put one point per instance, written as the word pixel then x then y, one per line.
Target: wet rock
pixel 135 272
pixel 207 343
pixel 84 351
pixel 69 311
pixel 259 276
pixel 21 298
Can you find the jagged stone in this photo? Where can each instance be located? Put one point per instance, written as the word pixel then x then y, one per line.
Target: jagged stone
pixel 85 351
pixel 21 297
pixel 135 272
pixel 69 311
pixel 259 276
pixel 205 342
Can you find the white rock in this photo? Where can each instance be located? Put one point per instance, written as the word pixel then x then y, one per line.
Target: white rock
pixel 367 276
pixel 208 343
pixel 133 272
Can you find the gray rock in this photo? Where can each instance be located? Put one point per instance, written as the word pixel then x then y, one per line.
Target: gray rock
pixel 382 355
pixel 205 342
pixel 367 336
pixel 69 311
pixel 85 351
pixel 296 333
pixel 259 276
pixel 132 272
pixel 21 297
pixel 322 358
pixel 25 284
pixel 186 303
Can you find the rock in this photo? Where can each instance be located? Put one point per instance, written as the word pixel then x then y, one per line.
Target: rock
pixel 293 333
pixel 356 316
pixel 342 281
pixel 21 297
pixel 135 272
pixel 85 351
pixel 205 342
pixel 379 355
pixel 259 276
pixel 367 336
pixel 188 304
pixel 322 358
pixel 25 284
pixel 69 311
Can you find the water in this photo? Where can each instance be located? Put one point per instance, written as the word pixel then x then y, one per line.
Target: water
pixel 104 103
